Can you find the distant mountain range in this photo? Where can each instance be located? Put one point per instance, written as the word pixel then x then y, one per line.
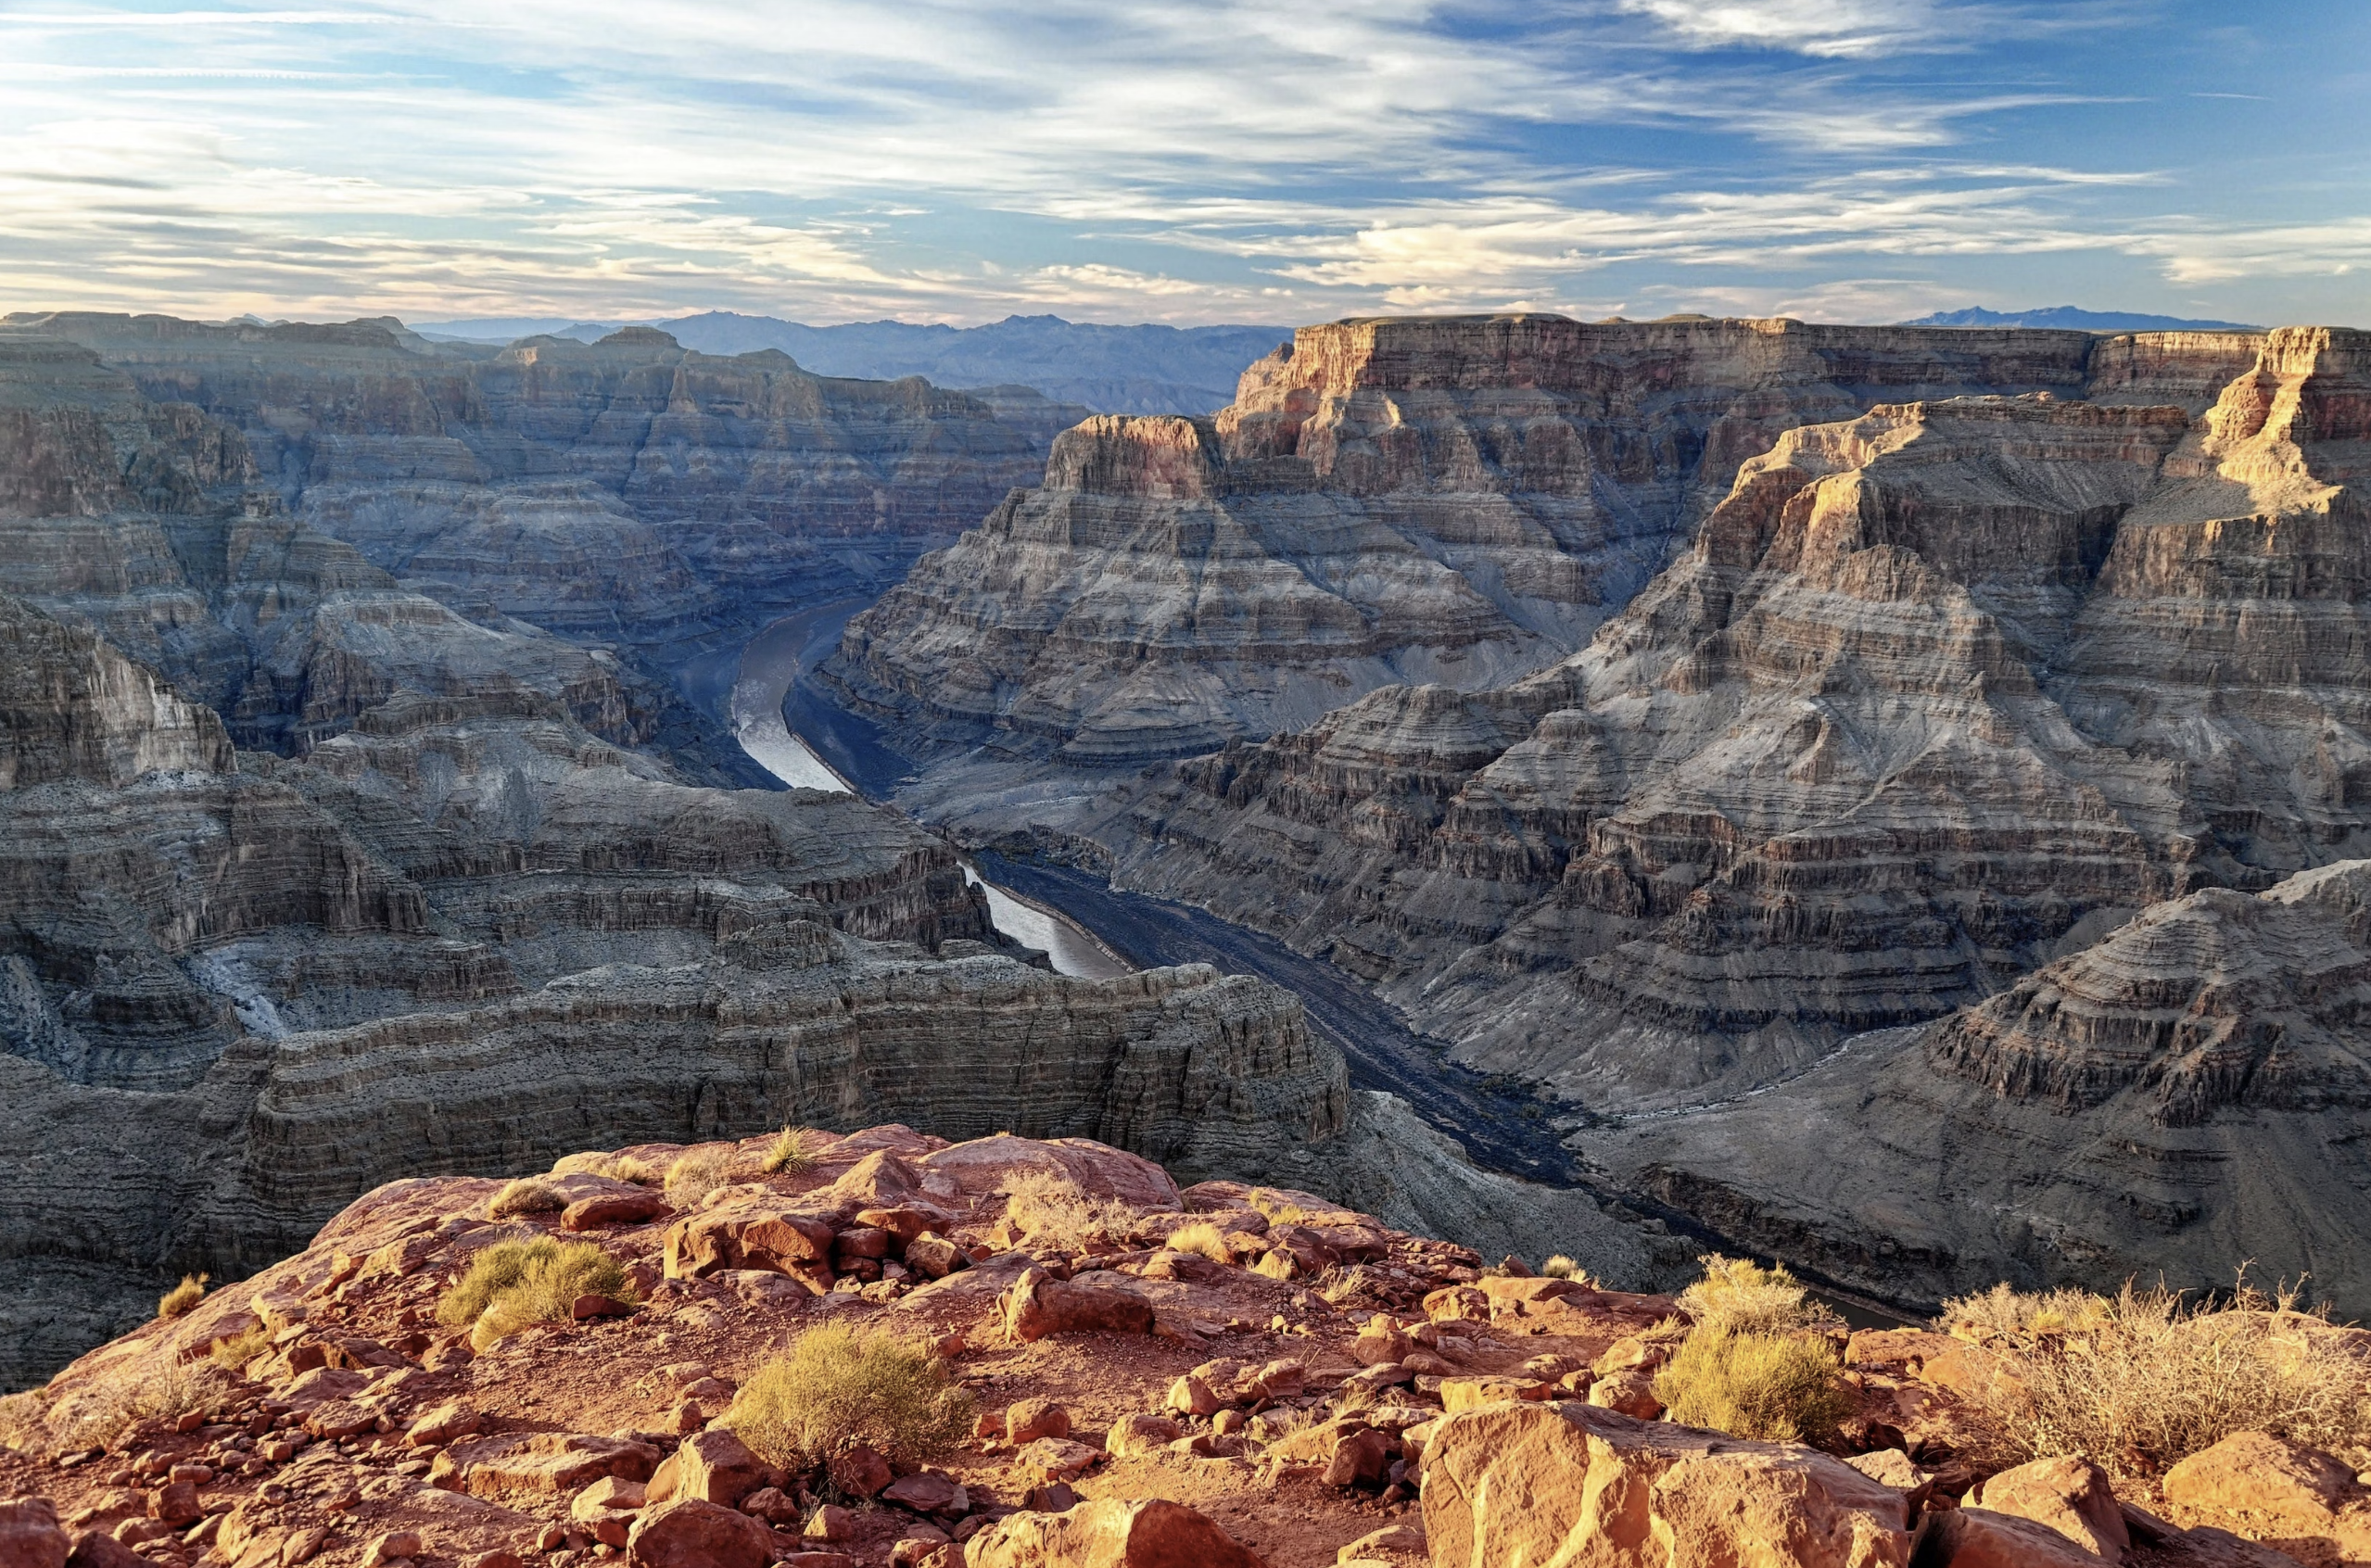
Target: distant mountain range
pixel 1111 369
pixel 2072 320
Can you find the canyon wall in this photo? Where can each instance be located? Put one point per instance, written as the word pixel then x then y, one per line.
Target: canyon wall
pixel 628 488
pixel 1455 502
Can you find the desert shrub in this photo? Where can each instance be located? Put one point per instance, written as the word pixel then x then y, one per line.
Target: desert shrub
pixel 527 1196
pixel 516 1283
pixel 1780 1387
pixel 1740 1297
pixel 232 1354
pixel 1050 1207
pixel 97 1415
pixel 1562 1268
pixel 183 1296
pixel 791 1154
pixel 1203 1239
pixel 696 1173
pixel 2141 1381
pixel 619 1168
pixel 835 1388
pixel 2002 1313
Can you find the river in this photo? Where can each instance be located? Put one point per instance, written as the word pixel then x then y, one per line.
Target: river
pixel 778 656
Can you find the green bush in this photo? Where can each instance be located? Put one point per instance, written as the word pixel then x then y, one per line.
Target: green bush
pixel 516 1283
pixel 1780 1387
pixel 836 1388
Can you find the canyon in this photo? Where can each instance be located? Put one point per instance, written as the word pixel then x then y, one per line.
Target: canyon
pixel 1975 653
pixel 318 875
pixel 1887 798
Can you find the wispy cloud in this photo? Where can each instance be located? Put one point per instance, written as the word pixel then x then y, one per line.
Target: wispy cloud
pixel 960 159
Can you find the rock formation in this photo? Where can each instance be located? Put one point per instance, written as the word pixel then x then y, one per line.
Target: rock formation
pixel 2182 1096
pixel 1445 501
pixel 1138 1375
pixel 626 489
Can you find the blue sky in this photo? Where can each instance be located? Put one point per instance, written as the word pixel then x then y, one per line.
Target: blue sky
pixel 1274 160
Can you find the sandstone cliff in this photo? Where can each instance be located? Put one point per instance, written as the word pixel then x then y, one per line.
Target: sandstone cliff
pixel 1430 500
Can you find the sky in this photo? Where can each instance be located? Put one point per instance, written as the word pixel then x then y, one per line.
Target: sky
pixel 1125 161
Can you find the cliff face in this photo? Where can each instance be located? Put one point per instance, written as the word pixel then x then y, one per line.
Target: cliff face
pixel 626 488
pixel 2183 1094
pixel 1937 694
pixel 1450 501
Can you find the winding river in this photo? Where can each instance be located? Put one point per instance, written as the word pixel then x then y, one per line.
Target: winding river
pixel 773 660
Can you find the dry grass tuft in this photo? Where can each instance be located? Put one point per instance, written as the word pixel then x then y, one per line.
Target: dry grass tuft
pixel 1563 1268
pixel 793 1152
pixel 1776 1386
pixel 1204 1240
pixel 2142 1381
pixel 618 1168
pixel 184 1297
pixel 1050 1207
pixel 836 1388
pixel 97 1416
pixel 234 1354
pixel 528 1195
pixel 696 1173
pixel 515 1285
pixel 1740 1297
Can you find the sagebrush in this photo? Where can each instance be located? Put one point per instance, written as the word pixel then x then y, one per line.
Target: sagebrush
pixel 513 1284
pixel 527 1196
pixel 696 1173
pixel 1049 1207
pixel 2139 1381
pixel 183 1296
pixel 1784 1387
pixel 835 1388
pixel 1740 1297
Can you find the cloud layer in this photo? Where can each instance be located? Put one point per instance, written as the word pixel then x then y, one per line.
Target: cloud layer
pixel 1126 161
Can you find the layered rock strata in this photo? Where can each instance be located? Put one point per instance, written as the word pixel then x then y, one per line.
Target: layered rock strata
pixel 2184 1095
pixel 1431 500
pixel 1938 694
pixel 626 488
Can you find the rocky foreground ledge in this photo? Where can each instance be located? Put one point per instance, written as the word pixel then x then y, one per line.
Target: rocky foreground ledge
pixel 1290 1383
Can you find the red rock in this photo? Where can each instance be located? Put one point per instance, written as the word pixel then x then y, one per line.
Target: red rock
pixel 2251 1472
pixel 713 1466
pixel 862 1241
pixel 1190 1395
pixel 2067 1494
pixel 1978 1538
pixel 590 1306
pixel 176 1503
pixel 30 1537
pixel 1140 1433
pixel 495 1559
pixel 94 1549
pixel 687 1533
pixel 442 1426
pixel 1527 1483
pixel 1033 1419
pixel 389 1546
pixel 1380 1343
pixel 860 1471
pixel 819 1560
pixel 1361 1459
pixel 1058 1459
pixel 1109 1533
pixel 747 1234
pixel 1630 1392
pixel 1038 1305
pixel 926 1493
pixel 935 1256
pixel 548 1462
pixel 613 1208
pixel 831 1523
pixel 1453 1304
pixel 608 1496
